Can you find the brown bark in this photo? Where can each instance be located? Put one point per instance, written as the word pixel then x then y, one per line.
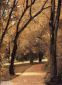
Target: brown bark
pixel 54 24
pixel 11 67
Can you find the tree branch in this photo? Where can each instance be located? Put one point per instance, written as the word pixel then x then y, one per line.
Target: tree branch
pixel 25 9
pixel 32 18
pixel 42 8
pixel 26 3
pixel 47 7
pixel 57 15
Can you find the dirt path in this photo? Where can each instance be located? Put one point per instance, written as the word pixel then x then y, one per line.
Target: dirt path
pixel 32 76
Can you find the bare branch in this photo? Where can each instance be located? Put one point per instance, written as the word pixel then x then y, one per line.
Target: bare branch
pixel 47 7
pixel 58 15
pixel 42 8
pixel 20 18
pixel 25 9
pixel 26 3
pixel 30 9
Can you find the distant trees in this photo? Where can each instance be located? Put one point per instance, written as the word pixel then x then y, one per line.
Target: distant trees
pixel 54 25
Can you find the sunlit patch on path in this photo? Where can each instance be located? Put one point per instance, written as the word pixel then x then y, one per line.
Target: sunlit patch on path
pixel 6 83
pixel 31 74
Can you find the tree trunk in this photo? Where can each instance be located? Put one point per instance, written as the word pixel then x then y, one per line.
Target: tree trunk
pixel 54 24
pixel 11 67
pixel 31 59
pixel 53 62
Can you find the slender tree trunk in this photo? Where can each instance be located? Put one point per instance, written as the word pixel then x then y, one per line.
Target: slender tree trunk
pixel 11 67
pixel 53 61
